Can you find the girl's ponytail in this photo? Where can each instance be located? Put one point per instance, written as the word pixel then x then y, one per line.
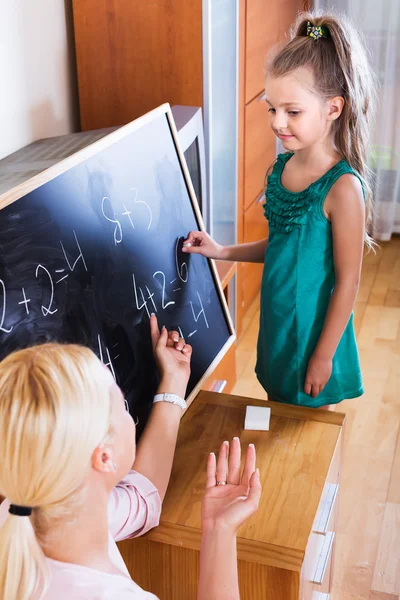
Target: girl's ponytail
pixel 55 409
pixel 339 61
pixel 23 569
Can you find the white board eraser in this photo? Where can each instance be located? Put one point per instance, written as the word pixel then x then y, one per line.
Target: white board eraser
pixel 257 418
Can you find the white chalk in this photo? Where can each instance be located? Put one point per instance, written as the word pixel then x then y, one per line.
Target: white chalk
pixel 257 418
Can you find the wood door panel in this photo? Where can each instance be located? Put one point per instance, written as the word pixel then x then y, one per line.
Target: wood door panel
pixel 134 56
pixel 260 149
pixel 262 34
pixel 255 228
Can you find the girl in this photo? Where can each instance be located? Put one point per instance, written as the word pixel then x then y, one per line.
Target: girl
pixel 67 446
pixel 318 202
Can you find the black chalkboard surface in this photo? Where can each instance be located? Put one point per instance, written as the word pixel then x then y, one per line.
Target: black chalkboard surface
pixel 92 246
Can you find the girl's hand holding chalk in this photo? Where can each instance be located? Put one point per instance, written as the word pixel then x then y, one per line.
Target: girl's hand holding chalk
pixel 199 242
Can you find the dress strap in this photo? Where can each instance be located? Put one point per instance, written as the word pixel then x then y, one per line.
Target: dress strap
pixel 327 181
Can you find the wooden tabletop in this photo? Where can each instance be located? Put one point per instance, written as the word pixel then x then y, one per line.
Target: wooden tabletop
pixel 293 456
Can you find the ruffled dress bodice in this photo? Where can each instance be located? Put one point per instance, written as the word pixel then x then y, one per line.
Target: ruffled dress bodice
pixel 286 210
pixel 297 284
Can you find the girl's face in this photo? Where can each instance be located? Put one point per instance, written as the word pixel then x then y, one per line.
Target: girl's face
pixel 299 117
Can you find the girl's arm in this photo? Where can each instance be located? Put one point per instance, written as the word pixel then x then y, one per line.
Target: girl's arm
pixel 346 210
pixel 224 509
pixel 156 448
pixel 199 242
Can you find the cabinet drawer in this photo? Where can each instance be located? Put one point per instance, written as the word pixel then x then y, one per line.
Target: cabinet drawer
pixel 317 566
pixel 262 33
pixel 259 150
pixel 223 377
pixel 325 516
pixel 255 228
pixel 323 565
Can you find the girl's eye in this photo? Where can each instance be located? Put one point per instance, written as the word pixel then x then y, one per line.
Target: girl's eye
pixel 294 113
pixel 271 110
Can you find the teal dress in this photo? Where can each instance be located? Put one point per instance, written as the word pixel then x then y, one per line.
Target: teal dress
pixel 297 284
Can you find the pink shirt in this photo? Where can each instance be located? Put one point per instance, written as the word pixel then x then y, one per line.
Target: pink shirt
pixel 134 508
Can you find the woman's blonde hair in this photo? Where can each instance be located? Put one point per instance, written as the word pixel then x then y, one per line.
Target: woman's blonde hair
pixel 55 409
pixel 340 66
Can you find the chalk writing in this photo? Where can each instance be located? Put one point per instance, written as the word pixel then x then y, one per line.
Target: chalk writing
pixel 46 309
pixel 136 201
pixel 202 312
pixel 80 256
pixel 25 301
pixel 118 228
pixel 109 363
pixel 3 312
pixel 182 269
pixel 163 290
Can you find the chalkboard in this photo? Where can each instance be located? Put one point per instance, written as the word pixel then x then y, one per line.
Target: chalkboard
pixel 92 246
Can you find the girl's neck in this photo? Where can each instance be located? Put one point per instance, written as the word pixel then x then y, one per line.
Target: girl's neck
pixel 319 157
pixel 83 540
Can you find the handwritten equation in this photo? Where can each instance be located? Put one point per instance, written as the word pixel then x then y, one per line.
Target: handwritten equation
pixel 155 294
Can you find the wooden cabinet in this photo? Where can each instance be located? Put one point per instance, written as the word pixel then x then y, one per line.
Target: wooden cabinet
pixel 267 24
pixel 255 228
pixel 262 33
pixel 281 556
pixel 134 56
pixel 259 149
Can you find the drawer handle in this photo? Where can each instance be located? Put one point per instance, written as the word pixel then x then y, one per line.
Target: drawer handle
pixel 325 511
pixel 262 98
pixel 324 558
pixel 218 386
pixel 320 596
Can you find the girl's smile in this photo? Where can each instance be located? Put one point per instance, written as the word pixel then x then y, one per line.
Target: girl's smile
pixel 282 136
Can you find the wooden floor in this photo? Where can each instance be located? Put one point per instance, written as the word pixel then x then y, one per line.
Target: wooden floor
pixel 368 539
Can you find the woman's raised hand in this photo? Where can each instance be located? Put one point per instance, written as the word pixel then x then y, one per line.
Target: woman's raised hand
pixel 199 242
pixel 231 497
pixel 171 353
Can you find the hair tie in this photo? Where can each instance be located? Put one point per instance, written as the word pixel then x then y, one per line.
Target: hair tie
pixel 316 32
pixel 20 511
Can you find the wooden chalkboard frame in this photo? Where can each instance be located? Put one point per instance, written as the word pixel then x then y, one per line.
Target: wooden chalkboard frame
pixel 68 163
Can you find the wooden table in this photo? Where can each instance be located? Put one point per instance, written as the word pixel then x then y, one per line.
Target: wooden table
pixel 285 550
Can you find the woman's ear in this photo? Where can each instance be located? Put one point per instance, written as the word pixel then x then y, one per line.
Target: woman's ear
pixel 102 459
pixel 335 106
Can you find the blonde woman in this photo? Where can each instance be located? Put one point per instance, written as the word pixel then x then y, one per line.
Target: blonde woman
pixel 68 445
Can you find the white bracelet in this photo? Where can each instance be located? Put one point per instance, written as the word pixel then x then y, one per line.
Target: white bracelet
pixel 172 398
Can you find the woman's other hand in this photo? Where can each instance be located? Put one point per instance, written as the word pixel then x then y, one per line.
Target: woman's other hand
pixel 231 497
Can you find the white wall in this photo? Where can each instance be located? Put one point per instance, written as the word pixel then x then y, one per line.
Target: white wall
pixel 38 89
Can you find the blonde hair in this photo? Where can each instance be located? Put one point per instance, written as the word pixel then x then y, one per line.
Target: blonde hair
pixel 341 68
pixel 55 409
